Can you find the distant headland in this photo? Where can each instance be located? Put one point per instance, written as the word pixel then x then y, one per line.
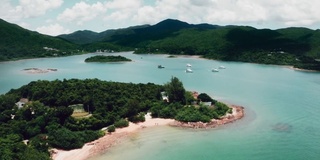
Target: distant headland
pixel 102 58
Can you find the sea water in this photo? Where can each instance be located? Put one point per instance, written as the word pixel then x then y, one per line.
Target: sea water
pixel 282 106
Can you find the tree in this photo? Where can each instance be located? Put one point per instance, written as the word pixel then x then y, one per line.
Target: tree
pixel 121 123
pixel 63 113
pixel 206 98
pixel 189 98
pixel 175 91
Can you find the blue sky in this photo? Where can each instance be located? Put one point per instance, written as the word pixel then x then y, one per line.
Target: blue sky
pixel 54 17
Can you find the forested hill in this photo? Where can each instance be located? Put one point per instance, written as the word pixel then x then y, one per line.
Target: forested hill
pixel 290 46
pixel 87 37
pixel 18 43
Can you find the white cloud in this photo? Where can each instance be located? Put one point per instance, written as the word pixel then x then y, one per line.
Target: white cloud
pixel 123 4
pixel 294 12
pixel 124 13
pixel 82 12
pixel 53 30
pixel 121 12
pixel 34 8
pixel 24 25
pixel 147 14
pixel 245 12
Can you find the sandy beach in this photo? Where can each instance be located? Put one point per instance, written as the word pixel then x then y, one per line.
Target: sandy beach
pixel 299 69
pixel 104 143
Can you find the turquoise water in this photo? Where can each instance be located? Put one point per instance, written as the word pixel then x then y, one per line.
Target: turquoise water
pixel 282 106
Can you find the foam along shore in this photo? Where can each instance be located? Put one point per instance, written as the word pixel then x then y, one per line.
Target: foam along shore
pixel 102 144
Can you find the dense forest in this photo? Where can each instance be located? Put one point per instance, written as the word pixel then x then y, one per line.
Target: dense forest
pixel 19 43
pixel 102 58
pixel 48 119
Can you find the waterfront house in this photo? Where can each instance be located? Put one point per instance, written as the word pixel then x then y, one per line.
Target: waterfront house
pixel 22 102
pixel 164 96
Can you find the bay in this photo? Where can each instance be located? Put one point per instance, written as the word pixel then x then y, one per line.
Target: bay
pixel 282 106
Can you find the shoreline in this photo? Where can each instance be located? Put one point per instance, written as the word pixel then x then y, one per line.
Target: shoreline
pixel 237 113
pixel 299 69
pixel 104 143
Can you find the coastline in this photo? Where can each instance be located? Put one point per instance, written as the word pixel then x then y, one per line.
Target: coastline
pixel 102 144
pixel 237 113
pixel 299 69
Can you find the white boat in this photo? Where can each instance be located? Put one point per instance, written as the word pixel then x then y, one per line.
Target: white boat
pixel 188 70
pixel 188 65
pixel 214 70
pixel 222 67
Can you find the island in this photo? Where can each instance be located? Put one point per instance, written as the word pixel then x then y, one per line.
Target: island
pixel 102 58
pixel 73 118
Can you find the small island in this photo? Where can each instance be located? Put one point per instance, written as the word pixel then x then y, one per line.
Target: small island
pixel 102 58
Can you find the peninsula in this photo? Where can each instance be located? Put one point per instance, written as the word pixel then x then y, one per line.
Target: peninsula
pixel 104 143
pixel 67 115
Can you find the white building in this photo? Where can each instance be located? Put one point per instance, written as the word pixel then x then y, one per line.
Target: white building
pixel 22 102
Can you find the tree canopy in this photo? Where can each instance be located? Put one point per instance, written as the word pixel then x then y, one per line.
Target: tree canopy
pixel 175 90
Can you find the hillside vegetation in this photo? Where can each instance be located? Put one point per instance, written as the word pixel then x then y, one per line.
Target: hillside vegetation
pixel 290 46
pixel 19 43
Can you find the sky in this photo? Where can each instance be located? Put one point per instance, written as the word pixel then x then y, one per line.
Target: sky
pixel 55 17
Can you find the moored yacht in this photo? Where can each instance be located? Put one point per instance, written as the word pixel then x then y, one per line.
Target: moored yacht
pixel 214 70
pixel 189 70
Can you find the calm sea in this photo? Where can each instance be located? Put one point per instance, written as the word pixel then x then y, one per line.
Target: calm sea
pixel 282 106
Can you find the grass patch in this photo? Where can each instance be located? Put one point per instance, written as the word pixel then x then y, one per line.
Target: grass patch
pixel 81 115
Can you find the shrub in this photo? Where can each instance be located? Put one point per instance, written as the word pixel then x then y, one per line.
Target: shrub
pixel 121 123
pixel 137 118
pixel 111 128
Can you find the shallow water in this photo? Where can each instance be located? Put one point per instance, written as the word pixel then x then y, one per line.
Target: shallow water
pixel 282 106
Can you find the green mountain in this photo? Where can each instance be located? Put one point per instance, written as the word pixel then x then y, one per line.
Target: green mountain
pixel 18 43
pixel 289 46
pixel 88 37
pixel 82 37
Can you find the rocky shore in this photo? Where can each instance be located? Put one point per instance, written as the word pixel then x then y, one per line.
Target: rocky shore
pixel 237 113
